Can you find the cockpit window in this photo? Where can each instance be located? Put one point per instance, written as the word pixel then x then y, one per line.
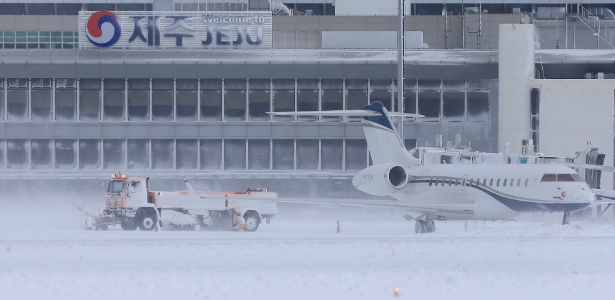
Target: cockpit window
pixel 565 177
pixel 549 177
pixel 561 177
pixel 116 187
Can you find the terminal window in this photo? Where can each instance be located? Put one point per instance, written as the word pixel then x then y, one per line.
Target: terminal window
pixel 65 154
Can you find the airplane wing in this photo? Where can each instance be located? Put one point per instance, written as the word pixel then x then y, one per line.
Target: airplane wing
pixel 457 210
pixel 609 194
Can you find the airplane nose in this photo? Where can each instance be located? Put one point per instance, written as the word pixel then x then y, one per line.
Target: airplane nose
pixel 589 196
pixel 582 195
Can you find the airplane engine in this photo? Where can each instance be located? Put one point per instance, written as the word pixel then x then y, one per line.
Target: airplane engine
pixel 381 179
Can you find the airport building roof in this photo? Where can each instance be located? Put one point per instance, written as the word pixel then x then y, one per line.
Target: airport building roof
pixel 315 63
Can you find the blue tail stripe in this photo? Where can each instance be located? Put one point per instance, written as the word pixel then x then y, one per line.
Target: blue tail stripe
pixel 382 119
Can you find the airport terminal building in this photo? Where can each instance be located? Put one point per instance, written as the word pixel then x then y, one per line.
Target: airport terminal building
pixel 163 87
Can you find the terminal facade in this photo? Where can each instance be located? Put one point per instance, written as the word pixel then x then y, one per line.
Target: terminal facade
pixel 153 103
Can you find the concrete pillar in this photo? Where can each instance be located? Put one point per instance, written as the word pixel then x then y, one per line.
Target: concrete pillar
pixel 516 70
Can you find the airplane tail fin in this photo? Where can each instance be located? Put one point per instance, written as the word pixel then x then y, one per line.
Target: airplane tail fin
pixel 383 141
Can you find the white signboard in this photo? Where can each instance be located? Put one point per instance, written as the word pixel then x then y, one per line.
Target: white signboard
pixel 175 30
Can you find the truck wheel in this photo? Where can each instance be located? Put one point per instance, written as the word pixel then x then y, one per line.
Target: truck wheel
pixel 147 219
pixel 128 225
pixel 252 221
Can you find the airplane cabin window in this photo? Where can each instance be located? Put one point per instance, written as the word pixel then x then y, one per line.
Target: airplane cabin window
pixel 526 181
pixel 491 182
pixel 430 181
pixel 484 181
pixel 548 178
pixel 565 177
pixel 504 183
pixel 512 180
pixel 497 183
pixel 519 182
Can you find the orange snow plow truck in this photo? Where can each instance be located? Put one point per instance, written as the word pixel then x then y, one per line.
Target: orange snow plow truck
pixel 131 204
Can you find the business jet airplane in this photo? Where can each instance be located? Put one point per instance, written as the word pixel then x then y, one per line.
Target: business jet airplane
pixel 455 191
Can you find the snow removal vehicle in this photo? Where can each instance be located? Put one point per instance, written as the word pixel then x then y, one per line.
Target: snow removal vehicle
pixel 131 204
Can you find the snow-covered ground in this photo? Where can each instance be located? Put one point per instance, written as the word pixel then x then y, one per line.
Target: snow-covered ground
pixel 52 258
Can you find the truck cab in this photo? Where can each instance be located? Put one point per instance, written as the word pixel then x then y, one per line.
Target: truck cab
pixel 123 192
pixel 127 200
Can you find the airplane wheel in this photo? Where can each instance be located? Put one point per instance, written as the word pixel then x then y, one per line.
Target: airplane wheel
pixel 419 226
pixel 430 226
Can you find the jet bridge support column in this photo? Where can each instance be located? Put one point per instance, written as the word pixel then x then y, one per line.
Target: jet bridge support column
pixel 516 70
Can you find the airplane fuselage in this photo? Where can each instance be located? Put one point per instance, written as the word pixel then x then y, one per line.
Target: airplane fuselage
pixel 490 192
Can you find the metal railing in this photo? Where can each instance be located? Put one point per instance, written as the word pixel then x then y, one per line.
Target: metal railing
pixel 597 26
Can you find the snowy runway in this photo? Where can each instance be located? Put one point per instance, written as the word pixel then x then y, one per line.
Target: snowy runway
pixel 309 260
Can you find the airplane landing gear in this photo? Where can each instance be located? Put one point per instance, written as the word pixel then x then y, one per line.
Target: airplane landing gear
pixel 424 226
pixel 566 219
pixel 430 225
pixel 419 226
